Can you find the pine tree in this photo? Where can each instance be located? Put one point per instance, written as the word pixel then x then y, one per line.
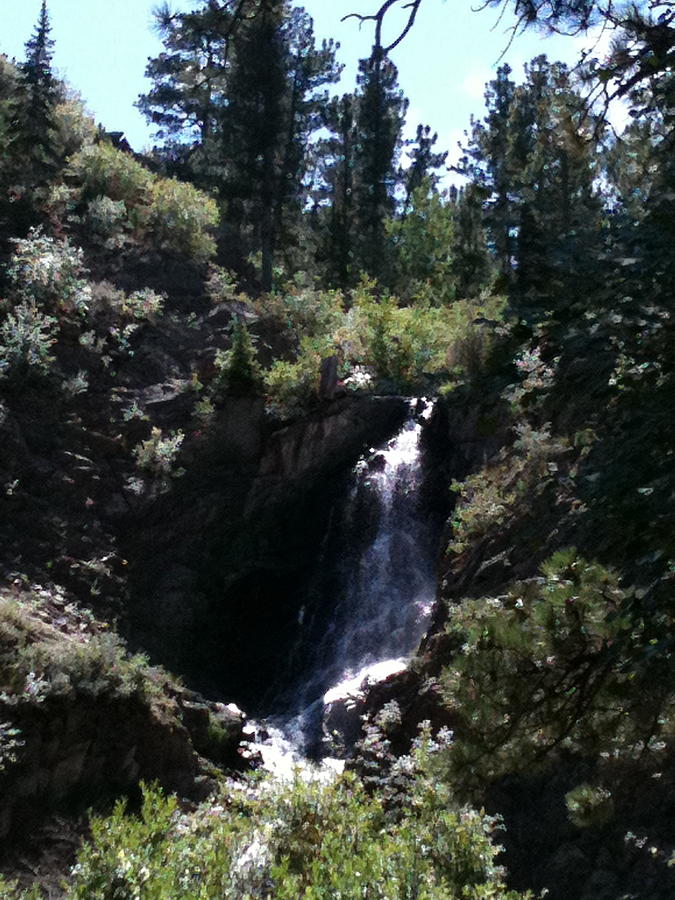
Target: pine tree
pixel 380 114
pixel 334 203
pixel 423 162
pixel 39 95
pixel 534 159
pixel 472 268
pixel 487 164
pixel 237 98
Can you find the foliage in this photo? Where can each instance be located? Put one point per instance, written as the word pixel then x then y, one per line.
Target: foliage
pixel 180 218
pixel 106 219
pixel 291 387
pixel 115 193
pixel 489 497
pixel 299 312
pixel 238 92
pixel 50 274
pixel 289 840
pixel 422 241
pixel 238 369
pixel 157 455
pixel 10 745
pixel 406 345
pixel 99 170
pixel 552 666
pixel 39 662
pixel 589 806
pixel 26 337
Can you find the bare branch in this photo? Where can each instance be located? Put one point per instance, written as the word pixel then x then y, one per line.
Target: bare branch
pixel 412 6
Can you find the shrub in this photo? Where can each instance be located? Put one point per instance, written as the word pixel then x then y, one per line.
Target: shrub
pixel 49 273
pixel 221 285
pixel 302 312
pixel 26 337
pixel 180 218
pixel 291 840
pixel 488 498
pixel 38 661
pixel 293 386
pixel 99 170
pixel 106 219
pixel 588 806
pixel 158 454
pixel 143 304
pixel 238 368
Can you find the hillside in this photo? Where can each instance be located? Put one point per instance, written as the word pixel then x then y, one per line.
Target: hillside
pixel 207 355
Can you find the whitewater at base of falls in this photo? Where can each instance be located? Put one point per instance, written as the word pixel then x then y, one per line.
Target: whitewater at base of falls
pixel 380 593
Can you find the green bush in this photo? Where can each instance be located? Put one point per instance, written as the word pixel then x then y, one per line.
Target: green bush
pixel 106 219
pixel 301 312
pixel 291 840
pixel 99 170
pixel 180 219
pixel 489 497
pixel 291 387
pixel 50 274
pixel 158 454
pixel 26 337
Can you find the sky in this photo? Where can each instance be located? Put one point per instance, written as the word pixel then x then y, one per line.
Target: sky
pixel 102 47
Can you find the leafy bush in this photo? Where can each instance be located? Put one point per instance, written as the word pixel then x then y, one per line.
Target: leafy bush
pixel 180 218
pixel 221 285
pixel 301 312
pixel 10 746
pixel 489 497
pixel 291 840
pixel 292 387
pixel 106 219
pixel 143 304
pixel 406 345
pixel 111 190
pixel 589 806
pixel 99 170
pixel 49 273
pixel 26 337
pixel 158 454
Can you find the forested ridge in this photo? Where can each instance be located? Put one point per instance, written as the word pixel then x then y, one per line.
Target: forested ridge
pixel 278 261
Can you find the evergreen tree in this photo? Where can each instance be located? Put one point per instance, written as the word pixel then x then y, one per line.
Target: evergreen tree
pixel 380 114
pixel 334 215
pixel 422 245
pixel 472 267
pixel 534 158
pixel 39 95
pixel 423 162
pixel 487 165
pixel 237 97
pixel 189 84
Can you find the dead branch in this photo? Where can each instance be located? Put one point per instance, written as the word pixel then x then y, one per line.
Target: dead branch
pixel 413 8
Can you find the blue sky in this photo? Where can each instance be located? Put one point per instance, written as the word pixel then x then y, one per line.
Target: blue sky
pixel 102 47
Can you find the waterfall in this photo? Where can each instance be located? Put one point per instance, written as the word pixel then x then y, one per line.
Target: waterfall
pixel 375 584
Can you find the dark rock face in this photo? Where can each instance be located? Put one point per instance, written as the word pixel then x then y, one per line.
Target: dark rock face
pixel 77 749
pixel 218 563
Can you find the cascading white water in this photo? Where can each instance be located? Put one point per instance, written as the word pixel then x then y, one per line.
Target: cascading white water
pixel 384 584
